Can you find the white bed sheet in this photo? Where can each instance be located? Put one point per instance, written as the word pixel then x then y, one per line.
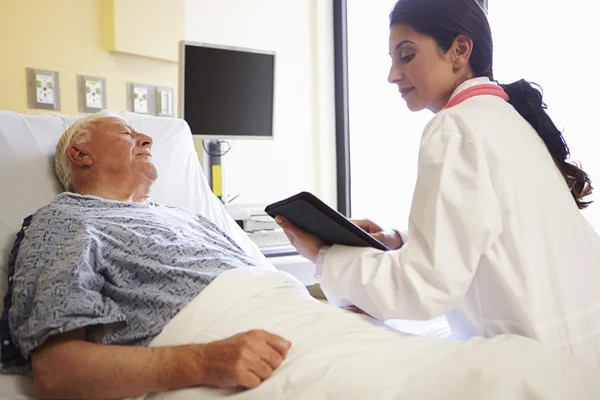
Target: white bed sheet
pixel 336 354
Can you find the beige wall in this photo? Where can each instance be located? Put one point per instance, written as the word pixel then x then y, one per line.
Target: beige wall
pixel 70 36
pixel 151 28
pixel 67 36
pixel 302 155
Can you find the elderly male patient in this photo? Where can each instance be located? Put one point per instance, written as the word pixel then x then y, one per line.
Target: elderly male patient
pixel 102 269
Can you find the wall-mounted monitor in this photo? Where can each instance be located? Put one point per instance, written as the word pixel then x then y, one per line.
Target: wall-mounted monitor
pixel 226 92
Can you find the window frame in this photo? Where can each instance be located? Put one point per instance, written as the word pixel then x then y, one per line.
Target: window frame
pixel 342 120
pixel 342 111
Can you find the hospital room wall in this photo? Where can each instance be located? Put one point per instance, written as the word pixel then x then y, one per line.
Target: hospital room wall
pixel 302 156
pixel 67 36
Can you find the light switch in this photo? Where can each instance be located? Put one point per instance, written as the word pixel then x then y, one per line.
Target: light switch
pixel 92 93
pixel 42 89
pixel 164 101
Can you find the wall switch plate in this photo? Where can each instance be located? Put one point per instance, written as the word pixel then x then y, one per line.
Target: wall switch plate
pixel 164 101
pixel 140 98
pixel 92 93
pixel 42 89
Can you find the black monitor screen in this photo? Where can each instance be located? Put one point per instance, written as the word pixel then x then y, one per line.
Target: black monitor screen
pixel 227 92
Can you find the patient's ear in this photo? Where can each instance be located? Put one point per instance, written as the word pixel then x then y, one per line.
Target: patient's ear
pixel 76 154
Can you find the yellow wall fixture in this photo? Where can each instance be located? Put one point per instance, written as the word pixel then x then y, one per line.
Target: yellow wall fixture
pixel 145 28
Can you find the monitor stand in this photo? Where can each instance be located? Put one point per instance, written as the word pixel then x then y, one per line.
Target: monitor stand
pixel 212 164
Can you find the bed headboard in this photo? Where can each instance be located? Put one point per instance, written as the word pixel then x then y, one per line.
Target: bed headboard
pixel 27 180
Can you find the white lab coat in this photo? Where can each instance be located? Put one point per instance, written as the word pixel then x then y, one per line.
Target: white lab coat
pixel 496 240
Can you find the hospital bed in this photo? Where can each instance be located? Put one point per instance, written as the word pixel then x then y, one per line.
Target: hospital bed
pixel 27 182
pixel 324 361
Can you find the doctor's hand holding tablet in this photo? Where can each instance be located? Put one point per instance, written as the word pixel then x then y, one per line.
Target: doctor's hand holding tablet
pixel 314 226
pixel 309 244
pixel 495 245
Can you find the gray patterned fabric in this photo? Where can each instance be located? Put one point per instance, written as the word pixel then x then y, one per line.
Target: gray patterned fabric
pixel 121 269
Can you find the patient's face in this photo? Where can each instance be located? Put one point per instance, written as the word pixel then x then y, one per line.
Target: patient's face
pixel 121 152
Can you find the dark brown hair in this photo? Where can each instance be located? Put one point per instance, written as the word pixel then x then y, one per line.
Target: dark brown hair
pixel 444 20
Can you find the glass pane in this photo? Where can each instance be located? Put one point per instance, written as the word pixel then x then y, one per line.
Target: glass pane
pixel 555 48
pixel 384 134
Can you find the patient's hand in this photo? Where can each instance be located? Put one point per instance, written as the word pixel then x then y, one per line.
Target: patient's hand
pixel 389 237
pixel 245 359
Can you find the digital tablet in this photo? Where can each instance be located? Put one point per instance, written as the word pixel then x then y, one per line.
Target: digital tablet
pixel 312 215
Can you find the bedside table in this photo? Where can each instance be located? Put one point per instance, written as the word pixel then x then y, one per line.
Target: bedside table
pixel 303 270
pixel 296 265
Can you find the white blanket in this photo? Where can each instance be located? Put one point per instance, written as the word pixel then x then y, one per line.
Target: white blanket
pixel 336 354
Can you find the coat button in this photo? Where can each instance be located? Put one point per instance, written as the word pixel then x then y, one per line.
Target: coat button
pixel 6 342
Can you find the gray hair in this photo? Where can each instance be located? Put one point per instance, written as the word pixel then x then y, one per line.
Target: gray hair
pixel 79 132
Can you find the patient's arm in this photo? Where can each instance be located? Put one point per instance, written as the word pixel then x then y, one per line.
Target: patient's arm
pixel 69 367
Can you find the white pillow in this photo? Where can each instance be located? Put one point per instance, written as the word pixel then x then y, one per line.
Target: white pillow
pixel 27 180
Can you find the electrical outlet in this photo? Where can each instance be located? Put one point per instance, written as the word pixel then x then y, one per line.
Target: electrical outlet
pixel 44 86
pixel 92 93
pixel 42 89
pixel 164 101
pixel 140 100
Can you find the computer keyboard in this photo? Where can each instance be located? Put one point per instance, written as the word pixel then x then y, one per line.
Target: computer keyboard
pixel 271 239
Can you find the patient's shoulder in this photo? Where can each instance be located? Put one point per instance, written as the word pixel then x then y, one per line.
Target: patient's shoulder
pixel 69 204
pixel 55 221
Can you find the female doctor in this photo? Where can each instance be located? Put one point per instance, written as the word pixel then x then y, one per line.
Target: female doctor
pixel 496 240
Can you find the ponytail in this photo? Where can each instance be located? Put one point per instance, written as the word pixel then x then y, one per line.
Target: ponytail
pixel 527 100
pixel 443 21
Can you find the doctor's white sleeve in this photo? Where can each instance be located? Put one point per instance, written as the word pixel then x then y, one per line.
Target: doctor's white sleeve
pixel 454 219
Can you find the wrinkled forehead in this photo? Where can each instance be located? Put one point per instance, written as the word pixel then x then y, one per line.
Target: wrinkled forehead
pixel 111 125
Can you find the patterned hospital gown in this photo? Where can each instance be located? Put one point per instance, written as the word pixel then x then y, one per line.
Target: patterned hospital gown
pixel 121 269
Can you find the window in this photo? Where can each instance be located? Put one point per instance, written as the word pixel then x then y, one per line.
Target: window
pixel 384 134
pixel 557 50
pixel 554 49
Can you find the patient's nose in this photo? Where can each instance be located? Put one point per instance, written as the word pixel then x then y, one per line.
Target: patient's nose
pixel 145 141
